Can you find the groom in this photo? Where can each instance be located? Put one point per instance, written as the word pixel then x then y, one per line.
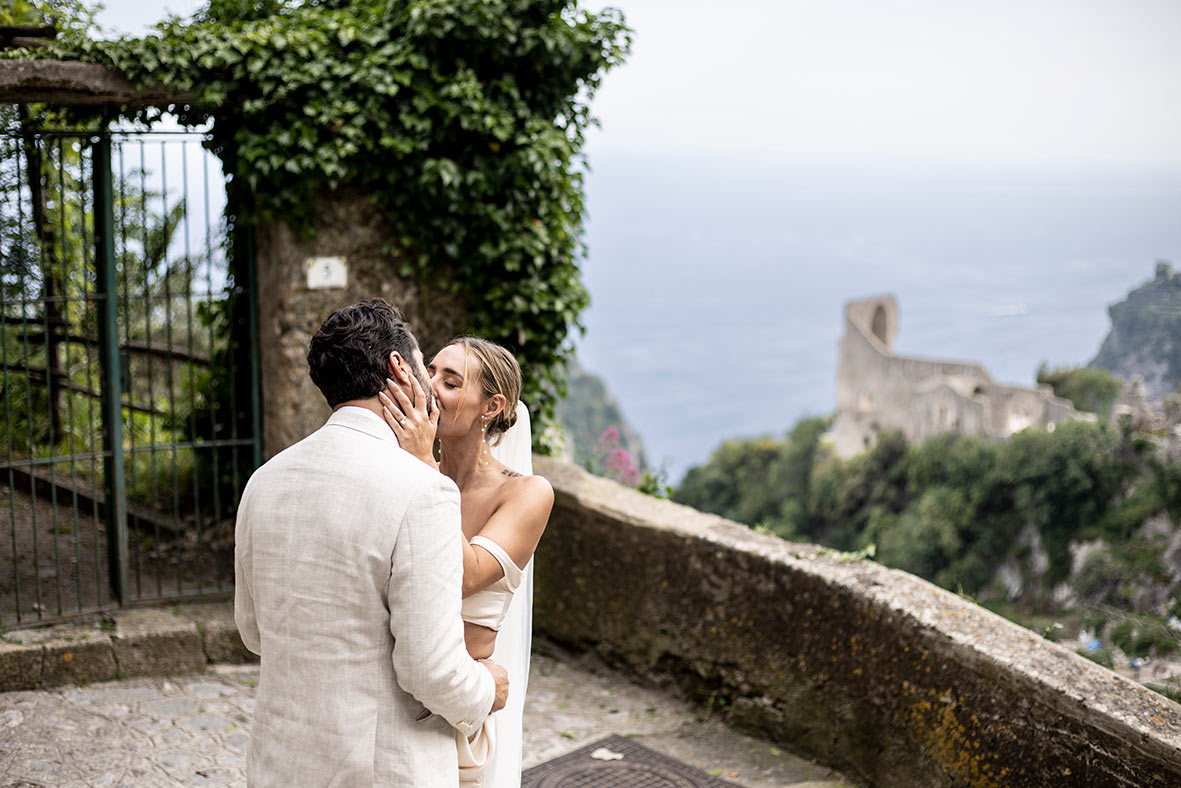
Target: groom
pixel 348 568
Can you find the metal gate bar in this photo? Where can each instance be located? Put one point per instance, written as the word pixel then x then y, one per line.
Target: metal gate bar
pixel 46 302
pixel 108 338
pixel 143 344
pixel 178 457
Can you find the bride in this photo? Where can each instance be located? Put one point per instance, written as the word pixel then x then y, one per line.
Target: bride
pixel 485 448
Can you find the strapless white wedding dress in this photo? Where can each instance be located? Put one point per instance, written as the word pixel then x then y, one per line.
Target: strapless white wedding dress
pixel 515 639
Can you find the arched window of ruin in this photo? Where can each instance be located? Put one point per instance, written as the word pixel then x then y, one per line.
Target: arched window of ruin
pixel 878 326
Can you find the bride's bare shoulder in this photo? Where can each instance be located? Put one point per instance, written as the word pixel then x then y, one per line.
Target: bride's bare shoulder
pixel 518 486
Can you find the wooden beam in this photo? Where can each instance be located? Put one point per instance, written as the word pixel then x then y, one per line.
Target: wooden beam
pixel 41 377
pixel 35 322
pixel 69 82
pixel 34 31
pixel 135 346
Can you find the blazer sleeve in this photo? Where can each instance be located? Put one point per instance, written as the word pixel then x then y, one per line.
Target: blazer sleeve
pixel 424 596
pixel 244 614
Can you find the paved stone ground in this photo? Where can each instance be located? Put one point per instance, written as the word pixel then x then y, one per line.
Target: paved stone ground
pixel 575 701
pixel 192 730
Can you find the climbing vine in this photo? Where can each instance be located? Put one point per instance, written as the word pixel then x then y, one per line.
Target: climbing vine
pixel 464 119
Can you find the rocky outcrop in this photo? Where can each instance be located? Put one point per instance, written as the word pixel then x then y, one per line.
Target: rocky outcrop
pixel 1145 336
pixel 586 412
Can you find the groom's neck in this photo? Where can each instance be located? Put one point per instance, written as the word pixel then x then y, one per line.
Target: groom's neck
pixel 369 403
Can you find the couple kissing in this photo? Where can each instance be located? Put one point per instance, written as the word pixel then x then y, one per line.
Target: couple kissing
pixel 387 593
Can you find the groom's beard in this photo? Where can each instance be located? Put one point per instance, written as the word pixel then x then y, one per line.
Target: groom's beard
pixel 425 382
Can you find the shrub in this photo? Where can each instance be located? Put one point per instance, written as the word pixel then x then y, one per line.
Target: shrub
pixel 1090 389
pixel 951 508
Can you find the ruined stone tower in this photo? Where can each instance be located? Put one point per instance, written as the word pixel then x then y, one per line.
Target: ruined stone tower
pixel 878 390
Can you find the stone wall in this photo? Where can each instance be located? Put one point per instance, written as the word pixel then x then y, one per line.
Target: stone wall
pixel 129 643
pixel 349 226
pixel 870 670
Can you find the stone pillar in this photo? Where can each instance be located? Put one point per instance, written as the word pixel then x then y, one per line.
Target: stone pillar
pixel 347 225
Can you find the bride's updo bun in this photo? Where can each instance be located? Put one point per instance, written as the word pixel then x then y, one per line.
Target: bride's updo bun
pixel 499 374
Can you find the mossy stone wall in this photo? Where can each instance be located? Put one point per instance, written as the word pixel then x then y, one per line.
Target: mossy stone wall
pixel 347 225
pixel 869 670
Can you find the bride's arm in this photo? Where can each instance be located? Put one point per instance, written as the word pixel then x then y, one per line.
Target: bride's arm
pixel 517 526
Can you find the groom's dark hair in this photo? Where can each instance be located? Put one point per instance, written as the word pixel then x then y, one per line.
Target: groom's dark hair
pixel 349 356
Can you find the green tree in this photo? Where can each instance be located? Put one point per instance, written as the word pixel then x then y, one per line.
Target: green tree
pixel 1144 636
pixel 1090 389
pixel 847 495
pixel 759 481
pixel 735 483
pixel 951 508
pixel 927 539
pixel 48 339
pixel 67 16
pixel 791 475
pixel 1064 483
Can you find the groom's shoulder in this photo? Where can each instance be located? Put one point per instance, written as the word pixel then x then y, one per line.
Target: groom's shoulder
pixel 362 455
pixel 422 477
pixel 406 479
pixel 331 455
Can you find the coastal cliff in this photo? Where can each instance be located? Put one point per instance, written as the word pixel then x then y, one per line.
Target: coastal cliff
pixel 1145 336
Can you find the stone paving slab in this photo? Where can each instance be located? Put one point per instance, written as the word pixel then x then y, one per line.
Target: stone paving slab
pixel 192 730
pixel 186 730
pixel 575 700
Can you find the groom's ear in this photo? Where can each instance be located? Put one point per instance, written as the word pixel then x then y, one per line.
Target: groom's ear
pixel 397 366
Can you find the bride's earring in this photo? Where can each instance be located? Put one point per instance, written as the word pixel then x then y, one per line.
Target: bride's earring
pixel 485 452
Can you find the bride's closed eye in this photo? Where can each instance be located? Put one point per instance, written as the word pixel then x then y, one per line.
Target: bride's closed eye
pixel 432 370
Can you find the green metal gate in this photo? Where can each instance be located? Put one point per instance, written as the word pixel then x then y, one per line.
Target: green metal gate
pixel 128 340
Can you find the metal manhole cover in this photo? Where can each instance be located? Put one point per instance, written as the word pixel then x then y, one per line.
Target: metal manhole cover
pixel 639 767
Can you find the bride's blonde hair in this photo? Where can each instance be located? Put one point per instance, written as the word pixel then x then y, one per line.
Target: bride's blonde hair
pixel 499 374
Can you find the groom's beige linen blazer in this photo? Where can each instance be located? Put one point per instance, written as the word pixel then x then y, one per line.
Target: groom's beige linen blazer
pixel 348 566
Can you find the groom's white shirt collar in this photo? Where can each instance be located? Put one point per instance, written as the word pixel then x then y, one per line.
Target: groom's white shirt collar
pixel 354 417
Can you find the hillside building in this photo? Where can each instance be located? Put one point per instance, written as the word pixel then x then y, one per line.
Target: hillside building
pixel 878 390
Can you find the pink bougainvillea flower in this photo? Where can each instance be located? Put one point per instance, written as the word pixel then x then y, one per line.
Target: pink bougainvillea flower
pixel 609 439
pixel 619 466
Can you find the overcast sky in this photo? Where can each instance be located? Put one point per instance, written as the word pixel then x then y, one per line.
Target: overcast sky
pixel 971 81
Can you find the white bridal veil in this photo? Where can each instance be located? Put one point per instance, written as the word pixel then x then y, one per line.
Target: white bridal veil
pixel 515 639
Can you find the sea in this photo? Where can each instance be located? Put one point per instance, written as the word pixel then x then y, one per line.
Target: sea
pixel 717 282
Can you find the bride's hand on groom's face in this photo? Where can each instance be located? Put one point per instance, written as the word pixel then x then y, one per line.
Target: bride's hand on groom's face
pixel 408 417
